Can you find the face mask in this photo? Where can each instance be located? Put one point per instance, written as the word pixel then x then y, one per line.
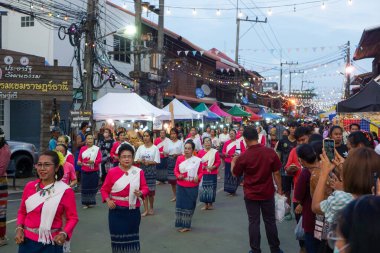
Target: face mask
pixel 336 250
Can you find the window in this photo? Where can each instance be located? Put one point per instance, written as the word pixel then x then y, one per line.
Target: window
pixel 27 21
pixel 121 47
pixel 1 112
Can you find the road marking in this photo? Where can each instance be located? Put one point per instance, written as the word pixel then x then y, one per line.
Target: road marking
pixel 11 221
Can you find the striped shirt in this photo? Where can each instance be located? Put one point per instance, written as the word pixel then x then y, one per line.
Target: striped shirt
pixel 334 203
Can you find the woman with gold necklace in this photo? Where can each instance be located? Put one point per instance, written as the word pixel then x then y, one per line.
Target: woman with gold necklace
pixel 44 203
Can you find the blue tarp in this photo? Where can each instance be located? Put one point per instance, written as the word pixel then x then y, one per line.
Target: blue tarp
pixel 270 116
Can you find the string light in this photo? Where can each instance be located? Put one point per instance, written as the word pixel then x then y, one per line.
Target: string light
pixel 350 2
pixel 270 12
pixel 240 14
pixel 168 12
pixel 323 6
pixel 218 13
pixel 124 5
pixel 194 12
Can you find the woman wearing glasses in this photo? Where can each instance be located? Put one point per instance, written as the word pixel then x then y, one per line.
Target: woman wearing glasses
pixel 90 159
pixel 44 203
pixel 122 190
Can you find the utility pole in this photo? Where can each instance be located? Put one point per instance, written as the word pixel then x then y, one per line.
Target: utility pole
pixel 89 54
pixel 2 13
pixel 285 63
pixel 290 78
pixel 308 82
pixel 137 53
pixel 348 71
pixel 238 20
pixel 160 51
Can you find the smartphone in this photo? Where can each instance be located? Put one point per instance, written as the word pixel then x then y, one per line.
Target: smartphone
pixel 329 147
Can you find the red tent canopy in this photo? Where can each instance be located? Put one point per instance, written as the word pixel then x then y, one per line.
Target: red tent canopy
pixel 217 110
pixel 254 116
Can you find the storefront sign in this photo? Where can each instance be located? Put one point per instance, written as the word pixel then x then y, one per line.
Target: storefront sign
pixel 26 77
pixel 77 117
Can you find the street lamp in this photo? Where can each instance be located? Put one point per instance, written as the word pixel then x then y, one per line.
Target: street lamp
pixel 129 31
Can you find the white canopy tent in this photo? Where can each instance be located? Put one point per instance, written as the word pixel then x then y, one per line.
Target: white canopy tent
pixel 126 106
pixel 180 111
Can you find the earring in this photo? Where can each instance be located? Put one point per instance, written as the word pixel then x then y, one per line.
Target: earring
pixel 56 176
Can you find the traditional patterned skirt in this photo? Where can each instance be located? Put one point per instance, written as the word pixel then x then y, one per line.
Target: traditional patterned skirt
pixel 124 225
pixel 30 246
pixel 162 170
pixel 90 182
pixel 171 164
pixel 3 205
pixel 231 183
pixel 185 206
pixel 150 173
pixel 207 192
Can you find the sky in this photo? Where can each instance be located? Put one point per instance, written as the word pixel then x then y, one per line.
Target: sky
pixel 302 32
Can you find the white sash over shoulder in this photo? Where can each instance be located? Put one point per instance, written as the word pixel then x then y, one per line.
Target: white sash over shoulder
pixel 50 205
pixel 209 157
pixel 91 153
pixel 233 144
pixel 190 166
pixel 132 179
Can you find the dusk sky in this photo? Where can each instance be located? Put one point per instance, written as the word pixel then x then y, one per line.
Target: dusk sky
pixel 310 33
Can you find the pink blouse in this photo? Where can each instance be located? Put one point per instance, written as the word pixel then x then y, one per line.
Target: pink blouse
pixel 232 151
pixel 69 173
pixel 70 159
pixel 66 208
pixel 185 183
pixel 97 161
pixel 113 175
pixel 201 153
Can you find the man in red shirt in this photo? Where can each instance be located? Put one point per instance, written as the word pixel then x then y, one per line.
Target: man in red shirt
pixel 259 165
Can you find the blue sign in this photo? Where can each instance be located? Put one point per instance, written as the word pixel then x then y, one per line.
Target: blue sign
pixel 244 100
pixel 199 93
pixel 254 95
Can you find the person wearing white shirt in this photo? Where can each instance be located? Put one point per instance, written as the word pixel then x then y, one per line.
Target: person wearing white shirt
pixel 172 150
pixel 195 139
pixel 148 156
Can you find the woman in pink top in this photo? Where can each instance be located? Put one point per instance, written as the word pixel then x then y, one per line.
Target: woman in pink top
pixel 45 203
pixel 69 176
pixel 89 158
pixel 231 148
pixel 188 171
pixel 210 164
pixel 122 190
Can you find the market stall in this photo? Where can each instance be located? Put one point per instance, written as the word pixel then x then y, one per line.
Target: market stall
pixel 126 106
pixel 237 111
pixel 254 116
pixel 217 110
pixel 202 107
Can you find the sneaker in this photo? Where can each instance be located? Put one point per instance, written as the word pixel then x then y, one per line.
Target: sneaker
pixel 3 241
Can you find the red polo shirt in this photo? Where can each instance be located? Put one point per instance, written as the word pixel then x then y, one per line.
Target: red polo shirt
pixel 258 164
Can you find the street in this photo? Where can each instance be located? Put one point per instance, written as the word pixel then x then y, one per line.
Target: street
pixel 222 230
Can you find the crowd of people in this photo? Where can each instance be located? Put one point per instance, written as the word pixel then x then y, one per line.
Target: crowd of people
pixel 326 193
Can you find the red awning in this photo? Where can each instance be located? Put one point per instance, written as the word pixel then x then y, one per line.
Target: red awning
pixel 254 116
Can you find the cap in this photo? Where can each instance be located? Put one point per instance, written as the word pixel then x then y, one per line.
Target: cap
pixel 56 129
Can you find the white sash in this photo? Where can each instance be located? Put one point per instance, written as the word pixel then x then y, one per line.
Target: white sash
pixel 133 179
pixel 91 153
pixel 233 144
pixel 67 155
pixel 209 157
pixel 190 166
pixel 162 143
pixel 49 209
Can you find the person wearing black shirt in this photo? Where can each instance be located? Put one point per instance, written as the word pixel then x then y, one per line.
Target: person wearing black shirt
pixel 336 134
pixel 284 146
pixel 105 145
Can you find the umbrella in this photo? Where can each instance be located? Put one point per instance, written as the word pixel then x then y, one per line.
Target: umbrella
pixel 254 116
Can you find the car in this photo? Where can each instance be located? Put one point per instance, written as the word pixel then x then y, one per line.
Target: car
pixel 23 157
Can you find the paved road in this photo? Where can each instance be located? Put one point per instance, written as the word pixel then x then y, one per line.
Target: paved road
pixel 222 230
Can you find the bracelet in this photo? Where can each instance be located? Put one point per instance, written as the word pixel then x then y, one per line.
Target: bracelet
pixel 19 227
pixel 64 233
